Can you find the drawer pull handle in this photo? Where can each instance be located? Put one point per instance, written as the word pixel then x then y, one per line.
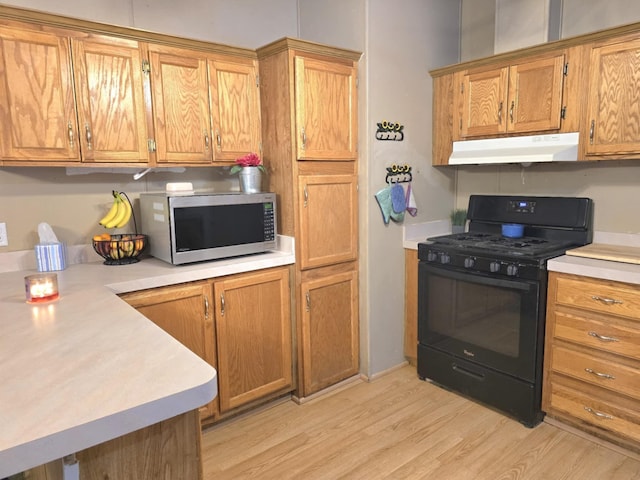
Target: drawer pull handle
pixel 606 301
pixel 599 414
pixel 608 376
pixel 603 338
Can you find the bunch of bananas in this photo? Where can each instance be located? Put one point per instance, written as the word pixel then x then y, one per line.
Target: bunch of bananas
pixel 119 213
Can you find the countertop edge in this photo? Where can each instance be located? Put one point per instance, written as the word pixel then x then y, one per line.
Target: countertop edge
pixel 590 267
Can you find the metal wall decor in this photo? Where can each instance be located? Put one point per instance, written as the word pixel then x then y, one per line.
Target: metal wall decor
pixel 399 174
pixel 390 131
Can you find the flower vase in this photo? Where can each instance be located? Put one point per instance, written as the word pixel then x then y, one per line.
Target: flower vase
pixel 457 228
pixel 250 180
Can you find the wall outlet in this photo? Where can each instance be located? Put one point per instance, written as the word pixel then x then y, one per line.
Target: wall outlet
pixel 4 240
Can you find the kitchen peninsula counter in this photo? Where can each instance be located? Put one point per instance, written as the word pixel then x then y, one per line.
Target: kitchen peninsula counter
pixel 88 368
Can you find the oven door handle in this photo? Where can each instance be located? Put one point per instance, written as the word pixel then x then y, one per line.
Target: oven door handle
pixel 523 285
pixel 476 376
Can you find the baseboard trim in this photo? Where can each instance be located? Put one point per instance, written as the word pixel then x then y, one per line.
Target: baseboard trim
pixel 329 390
pixel 592 438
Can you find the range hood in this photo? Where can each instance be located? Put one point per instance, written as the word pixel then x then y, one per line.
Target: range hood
pixel 527 149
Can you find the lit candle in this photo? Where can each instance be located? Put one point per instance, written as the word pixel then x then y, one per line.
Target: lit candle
pixel 42 287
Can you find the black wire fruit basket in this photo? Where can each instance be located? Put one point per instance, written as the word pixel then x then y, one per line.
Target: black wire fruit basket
pixel 121 249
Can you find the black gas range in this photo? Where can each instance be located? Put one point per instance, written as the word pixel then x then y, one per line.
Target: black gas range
pixel 482 297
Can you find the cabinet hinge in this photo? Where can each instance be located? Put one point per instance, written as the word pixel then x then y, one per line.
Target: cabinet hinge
pixel 258 81
pixel 462 88
pixel 565 71
pixel 151 145
pixel 563 112
pixel 460 126
pixel 146 67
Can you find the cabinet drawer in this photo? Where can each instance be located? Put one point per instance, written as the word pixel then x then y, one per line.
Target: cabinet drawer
pixel 607 334
pixel 599 296
pixel 606 414
pixel 597 371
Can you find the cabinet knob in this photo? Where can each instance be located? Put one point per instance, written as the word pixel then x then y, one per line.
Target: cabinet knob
pixel 303 136
pixel 500 113
pixel 513 104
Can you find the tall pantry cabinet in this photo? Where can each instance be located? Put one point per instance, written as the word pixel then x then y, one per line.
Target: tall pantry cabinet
pixel 309 134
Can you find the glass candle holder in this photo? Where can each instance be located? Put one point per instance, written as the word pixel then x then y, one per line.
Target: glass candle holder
pixel 41 287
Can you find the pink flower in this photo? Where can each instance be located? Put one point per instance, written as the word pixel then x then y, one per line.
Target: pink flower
pixel 248 160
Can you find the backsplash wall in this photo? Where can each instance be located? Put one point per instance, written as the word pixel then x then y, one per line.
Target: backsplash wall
pixel 613 185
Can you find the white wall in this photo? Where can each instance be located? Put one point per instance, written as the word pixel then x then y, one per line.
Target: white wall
pixel 404 41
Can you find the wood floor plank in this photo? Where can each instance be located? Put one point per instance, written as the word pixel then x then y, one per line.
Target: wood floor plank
pixel 399 427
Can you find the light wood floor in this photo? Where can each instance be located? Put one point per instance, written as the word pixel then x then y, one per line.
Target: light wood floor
pixel 398 427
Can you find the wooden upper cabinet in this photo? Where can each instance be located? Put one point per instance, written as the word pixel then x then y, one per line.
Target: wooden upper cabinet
pixel 519 98
pixel 111 103
pixel 37 105
pixel 328 210
pixel 326 110
pixel 612 127
pixel 180 97
pixel 235 108
pixel 253 327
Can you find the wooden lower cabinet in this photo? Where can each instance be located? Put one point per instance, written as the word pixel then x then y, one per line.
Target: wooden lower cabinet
pixel 169 449
pixel 253 327
pixel 411 306
pixel 329 327
pixel 182 311
pixel 592 358
pixel 240 324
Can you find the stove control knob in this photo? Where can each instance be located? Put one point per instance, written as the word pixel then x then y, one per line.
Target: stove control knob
pixel 445 258
pixel 469 262
pixel 432 256
pixel 494 267
pixel 512 270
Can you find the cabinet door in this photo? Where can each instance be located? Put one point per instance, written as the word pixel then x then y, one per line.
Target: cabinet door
pixel 111 104
pixel 253 326
pixel 524 97
pixel 328 219
pixel 37 105
pixel 484 100
pixel 613 102
pixel 326 110
pixel 535 95
pixel 329 313
pixel 180 96
pixel 235 107
pixel 183 312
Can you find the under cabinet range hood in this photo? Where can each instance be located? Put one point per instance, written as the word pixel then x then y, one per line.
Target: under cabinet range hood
pixel 555 147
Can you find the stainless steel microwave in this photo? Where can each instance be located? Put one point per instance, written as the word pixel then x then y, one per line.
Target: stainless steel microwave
pixel 200 227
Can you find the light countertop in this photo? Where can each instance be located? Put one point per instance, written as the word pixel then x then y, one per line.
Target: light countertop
pixel 589 267
pixel 88 368
pixel 603 269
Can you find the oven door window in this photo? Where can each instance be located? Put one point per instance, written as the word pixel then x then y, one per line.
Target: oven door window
pixel 492 322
